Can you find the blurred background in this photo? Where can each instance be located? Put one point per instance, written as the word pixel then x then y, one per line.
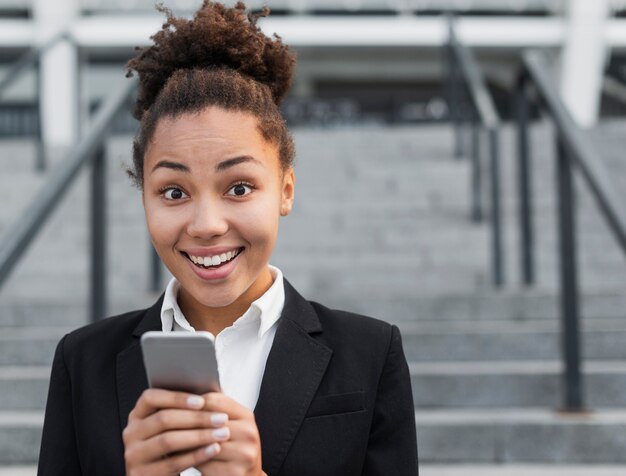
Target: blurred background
pixel 460 172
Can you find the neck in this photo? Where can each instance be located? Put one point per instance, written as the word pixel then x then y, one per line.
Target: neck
pixel 216 319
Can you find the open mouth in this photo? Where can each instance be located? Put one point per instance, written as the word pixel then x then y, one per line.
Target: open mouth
pixel 214 262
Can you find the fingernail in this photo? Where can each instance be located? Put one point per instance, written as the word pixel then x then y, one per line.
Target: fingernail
pixel 212 450
pixel 195 401
pixel 219 419
pixel 221 433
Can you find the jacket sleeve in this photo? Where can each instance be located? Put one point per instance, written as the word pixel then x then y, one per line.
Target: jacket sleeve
pixel 392 447
pixel 58 455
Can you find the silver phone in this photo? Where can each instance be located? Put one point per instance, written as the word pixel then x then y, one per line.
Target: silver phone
pixel 181 361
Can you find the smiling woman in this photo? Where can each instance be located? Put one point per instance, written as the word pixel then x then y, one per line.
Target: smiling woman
pixel 306 390
pixel 215 186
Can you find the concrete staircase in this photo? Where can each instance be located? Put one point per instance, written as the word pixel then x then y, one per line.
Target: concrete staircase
pixel 380 227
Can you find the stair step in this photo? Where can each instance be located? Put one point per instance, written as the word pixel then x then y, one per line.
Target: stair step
pixel 521 436
pixel 20 436
pixel 518 384
pixel 18 470
pixel 451 470
pixel 445 306
pixel 493 436
pixel 602 339
pixel 521 343
pixel 29 345
pixel 435 384
pixel 520 470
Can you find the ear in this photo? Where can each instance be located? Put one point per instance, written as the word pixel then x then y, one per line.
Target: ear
pixel 288 191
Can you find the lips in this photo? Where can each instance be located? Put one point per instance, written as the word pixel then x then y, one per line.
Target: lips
pixel 213 272
pixel 214 260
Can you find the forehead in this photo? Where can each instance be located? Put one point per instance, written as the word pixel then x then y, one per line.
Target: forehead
pixel 212 133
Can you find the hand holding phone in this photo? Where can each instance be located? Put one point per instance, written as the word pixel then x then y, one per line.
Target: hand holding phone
pixel 196 426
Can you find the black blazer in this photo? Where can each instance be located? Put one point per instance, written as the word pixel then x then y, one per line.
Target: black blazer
pixel 335 397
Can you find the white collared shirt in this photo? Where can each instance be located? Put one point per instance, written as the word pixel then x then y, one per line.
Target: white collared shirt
pixel 242 348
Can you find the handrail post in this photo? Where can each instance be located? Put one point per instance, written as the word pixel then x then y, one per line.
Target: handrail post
pixel 496 218
pixel 476 175
pixel 524 184
pixel 572 377
pixel 40 165
pixel 155 270
pixel 454 93
pixel 98 236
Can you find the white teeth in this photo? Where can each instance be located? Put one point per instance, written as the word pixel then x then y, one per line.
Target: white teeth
pixel 213 260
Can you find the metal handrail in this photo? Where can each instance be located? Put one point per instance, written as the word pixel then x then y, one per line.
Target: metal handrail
pixel 573 149
pixel 30 223
pixel 614 88
pixel 478 92
pixel 463 68
pixel 29 58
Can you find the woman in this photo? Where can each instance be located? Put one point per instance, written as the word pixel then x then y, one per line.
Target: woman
pixel 306 390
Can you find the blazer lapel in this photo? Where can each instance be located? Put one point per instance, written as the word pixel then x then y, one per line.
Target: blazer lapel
pixel 130 371
pixel 294 369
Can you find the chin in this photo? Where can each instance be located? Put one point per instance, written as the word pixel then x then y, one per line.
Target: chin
pixel 217 299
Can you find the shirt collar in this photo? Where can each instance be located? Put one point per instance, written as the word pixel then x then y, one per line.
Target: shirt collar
pixel 268 307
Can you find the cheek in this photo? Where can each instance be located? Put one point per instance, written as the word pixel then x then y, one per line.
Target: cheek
pixel 259 222
pixel 163 226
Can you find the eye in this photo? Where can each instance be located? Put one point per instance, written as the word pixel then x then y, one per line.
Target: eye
pixel 173 193
pixel 240 189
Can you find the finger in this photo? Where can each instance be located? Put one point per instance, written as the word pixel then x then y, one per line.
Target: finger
pixel 170 442
pixel 175 419
pixel 244 431
pixel 246 456
pixel 244 444
pixel 154 399
pixel 174 465
pixel 220 402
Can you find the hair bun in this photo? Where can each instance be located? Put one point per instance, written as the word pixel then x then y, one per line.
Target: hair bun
pixel 216 37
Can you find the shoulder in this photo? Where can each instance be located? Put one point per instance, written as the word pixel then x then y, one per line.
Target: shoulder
pixel 344 329
pixel 350 320
pixel 111 326
pixel 108 336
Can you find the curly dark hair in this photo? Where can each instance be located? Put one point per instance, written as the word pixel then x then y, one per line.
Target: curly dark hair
pixel 218 58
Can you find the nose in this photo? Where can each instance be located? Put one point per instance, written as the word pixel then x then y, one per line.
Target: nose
pixel 207 220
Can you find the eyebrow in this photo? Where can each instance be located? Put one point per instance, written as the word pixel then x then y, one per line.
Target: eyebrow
pixel 172 165
pixel 228 163
pixel 224 165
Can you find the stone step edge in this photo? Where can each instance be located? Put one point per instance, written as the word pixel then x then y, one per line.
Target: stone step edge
pixel 493 416
pixel 29 419
pixel 455 368
pixel 537 367
pixel 454 470
pixel 520 470
pixel 429 327
pixel 519 416
pixel 496 327
pixel 502 469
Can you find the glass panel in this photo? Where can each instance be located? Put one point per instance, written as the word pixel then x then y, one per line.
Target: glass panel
pixel 180 6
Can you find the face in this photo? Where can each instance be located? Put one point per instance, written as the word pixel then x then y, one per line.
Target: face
pixel 213 194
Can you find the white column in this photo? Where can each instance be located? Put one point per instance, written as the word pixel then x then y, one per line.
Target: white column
pixel 59 68
pixel 583 58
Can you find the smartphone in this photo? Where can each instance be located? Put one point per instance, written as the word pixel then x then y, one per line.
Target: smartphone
pixel 181 361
